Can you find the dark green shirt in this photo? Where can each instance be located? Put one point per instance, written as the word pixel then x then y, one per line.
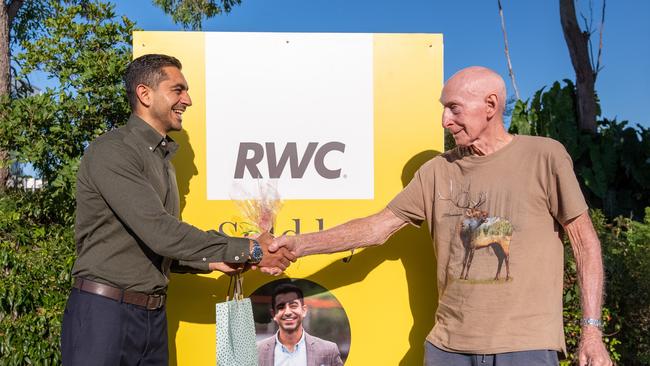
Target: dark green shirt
pixel 127 228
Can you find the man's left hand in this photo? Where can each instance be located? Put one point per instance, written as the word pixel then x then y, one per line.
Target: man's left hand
pixel 591 351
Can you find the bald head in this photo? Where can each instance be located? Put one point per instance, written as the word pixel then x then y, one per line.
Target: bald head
pixel 474 100
pixel 479 82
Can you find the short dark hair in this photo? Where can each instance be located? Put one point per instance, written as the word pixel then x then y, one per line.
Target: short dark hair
pixel 286 288
pixel 147 70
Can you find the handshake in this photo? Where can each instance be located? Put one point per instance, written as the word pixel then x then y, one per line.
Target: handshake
pixel 277 255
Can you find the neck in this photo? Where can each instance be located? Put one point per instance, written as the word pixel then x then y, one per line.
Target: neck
pixel 289 339
pixel 492 140
pixel 150 121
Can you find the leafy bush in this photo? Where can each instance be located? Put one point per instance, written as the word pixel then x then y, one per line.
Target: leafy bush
pixel 35 261
pixel 626 249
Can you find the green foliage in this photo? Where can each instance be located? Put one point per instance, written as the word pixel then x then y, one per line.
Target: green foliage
pixel 29 20
pixel 190 13
pixel 85 49
pixel 626 248
pixel 613 165
pixel 35 261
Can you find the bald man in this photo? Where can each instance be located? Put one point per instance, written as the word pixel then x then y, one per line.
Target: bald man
pixel 496 206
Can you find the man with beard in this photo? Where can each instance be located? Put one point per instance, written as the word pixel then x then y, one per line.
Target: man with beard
pixel 128 234
pixel 292 345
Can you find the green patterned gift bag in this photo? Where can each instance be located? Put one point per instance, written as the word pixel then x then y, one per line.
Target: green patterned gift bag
pixel 236 329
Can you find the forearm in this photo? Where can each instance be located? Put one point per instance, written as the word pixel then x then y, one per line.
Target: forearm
pixel 357 233
pixel 587 252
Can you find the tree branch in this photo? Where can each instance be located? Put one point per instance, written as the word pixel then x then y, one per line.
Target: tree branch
pixel 12 9
pixel 505 41
pixel 600 41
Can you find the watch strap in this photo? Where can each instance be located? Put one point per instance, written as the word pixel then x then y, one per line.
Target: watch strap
pixel 592 322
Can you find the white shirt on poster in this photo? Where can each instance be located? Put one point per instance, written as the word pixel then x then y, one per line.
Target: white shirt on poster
pixel 283 357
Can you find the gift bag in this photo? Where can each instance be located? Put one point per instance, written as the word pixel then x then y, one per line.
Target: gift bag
pixel 235 328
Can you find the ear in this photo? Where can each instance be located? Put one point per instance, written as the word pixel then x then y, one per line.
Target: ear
pixel 144 95
pixel 491 105
pixel 304 310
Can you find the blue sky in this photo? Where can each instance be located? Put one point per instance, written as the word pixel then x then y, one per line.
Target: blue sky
pixel 472 36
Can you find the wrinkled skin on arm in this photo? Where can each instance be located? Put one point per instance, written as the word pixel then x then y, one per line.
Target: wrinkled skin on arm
pixel 587 253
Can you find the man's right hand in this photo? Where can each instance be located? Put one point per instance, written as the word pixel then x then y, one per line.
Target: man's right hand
pixel 273 263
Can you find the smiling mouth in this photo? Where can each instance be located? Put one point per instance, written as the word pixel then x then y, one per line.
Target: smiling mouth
pixel 179 112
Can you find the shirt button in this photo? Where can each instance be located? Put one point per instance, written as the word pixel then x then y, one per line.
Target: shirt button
pixel 204 259
pixel 236 257
pixel 163 143
pixel 150 148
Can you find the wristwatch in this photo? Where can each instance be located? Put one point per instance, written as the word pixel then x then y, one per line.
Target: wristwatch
pixel 256 252
pixel 593 322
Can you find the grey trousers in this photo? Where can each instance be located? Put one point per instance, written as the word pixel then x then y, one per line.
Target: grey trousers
pixel 434 356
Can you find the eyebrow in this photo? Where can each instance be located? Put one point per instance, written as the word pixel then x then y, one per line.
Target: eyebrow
pixel 180 85
pixel 449 102
pixel 286 303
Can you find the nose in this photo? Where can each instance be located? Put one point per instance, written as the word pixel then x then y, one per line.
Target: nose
pixel 446 118
pixel 186 100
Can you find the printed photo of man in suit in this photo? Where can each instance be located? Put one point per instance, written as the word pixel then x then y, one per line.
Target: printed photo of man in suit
pixel 292 345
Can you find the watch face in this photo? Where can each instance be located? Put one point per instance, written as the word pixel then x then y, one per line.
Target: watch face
pixel 257 254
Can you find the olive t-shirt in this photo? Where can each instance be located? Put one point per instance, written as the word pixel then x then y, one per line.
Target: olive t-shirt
pixel 496 224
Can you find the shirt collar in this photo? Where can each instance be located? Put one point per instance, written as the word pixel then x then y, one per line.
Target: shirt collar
pixel 151 138
pixel 301 342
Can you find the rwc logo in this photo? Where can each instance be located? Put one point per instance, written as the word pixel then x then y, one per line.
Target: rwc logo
pixel 301 116
pixel 251 154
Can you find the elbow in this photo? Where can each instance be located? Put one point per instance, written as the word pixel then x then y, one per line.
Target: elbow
pixel 378 238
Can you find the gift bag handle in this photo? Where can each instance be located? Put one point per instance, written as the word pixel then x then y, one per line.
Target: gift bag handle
pixel 237 289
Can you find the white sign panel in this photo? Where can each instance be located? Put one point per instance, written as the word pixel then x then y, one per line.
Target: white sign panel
pixel 293 108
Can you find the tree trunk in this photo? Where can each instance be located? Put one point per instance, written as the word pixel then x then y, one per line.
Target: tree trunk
pixel 4 50
pixel 5 80
pixel 8 11
pixel 578 43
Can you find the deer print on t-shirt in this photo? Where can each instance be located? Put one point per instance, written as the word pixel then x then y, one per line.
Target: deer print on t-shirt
pixel 478 230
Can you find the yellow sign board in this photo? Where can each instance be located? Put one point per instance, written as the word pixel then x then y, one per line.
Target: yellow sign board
pixel 341 122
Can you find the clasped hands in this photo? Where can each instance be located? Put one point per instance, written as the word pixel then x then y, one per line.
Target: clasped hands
pixel 275 260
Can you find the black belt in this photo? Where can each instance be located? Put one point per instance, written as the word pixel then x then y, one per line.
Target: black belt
pixel 149 302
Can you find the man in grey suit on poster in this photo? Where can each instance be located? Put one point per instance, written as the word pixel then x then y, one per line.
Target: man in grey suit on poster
pixel 292 345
